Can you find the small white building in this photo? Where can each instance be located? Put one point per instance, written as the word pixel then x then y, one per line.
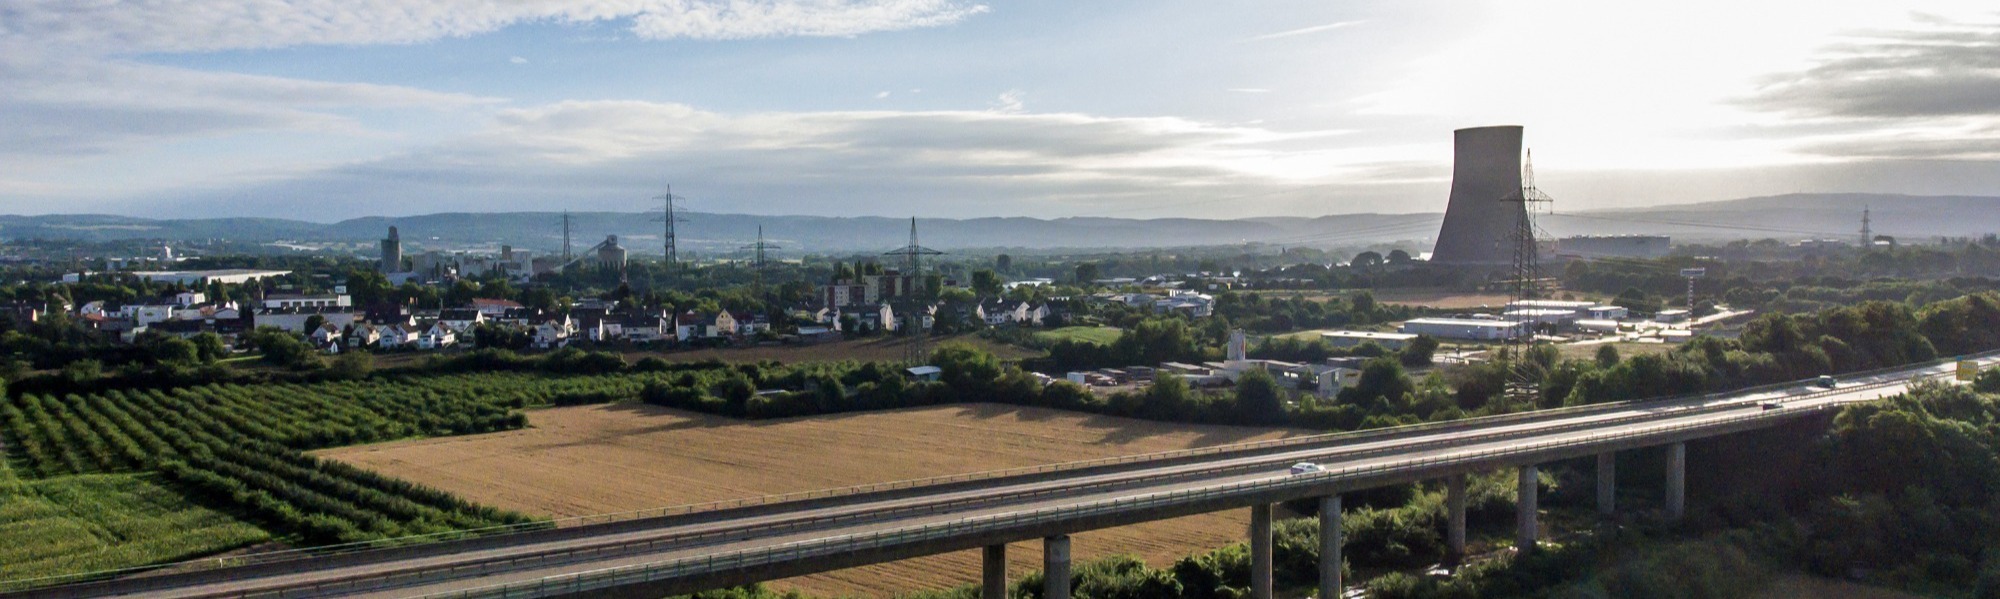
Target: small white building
pixel 1671 315
pixel 1609 312
pixel 287 301
pixel 1598 325
pixel 1549 316
pixel 439 336
pixel 1463 328
pixel 1392 341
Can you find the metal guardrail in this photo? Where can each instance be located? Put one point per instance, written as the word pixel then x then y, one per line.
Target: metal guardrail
pixel 1302 442
pixel 637 547
pixel 807 549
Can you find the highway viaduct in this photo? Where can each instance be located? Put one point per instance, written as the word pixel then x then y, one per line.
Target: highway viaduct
pixel 658 555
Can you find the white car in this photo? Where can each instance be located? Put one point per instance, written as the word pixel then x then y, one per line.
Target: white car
pixel 1307 468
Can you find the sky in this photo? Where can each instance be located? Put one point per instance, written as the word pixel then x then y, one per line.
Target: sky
pixel 330 109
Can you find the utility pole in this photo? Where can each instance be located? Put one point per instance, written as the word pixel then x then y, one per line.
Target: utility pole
pixel 672 256
pixel 759 261
pixel 1867 234
pixel 566 256
pixel 1523 383
pixel 913 263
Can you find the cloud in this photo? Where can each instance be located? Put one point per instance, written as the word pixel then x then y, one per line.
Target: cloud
pixel 881 95
pixel 56 107
pixel 209 25
pixel 1930 92
pixel 1943 69
pixel 69 84
pixel 1010 101
pixel 604 153
pixel 1305 30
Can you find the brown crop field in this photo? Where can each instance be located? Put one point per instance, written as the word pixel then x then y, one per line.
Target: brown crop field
pixel 611 458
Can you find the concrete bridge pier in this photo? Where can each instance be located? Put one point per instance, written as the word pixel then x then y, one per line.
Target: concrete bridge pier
pixel 1607 483
pixel 1055 567
pixel 1525 509
pixel 1676 501
pixel 1260 551
pixel 1454 510
pixel 993 575
pixel 1329 547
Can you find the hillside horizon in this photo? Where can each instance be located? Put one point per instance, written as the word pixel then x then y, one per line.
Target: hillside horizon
pixel 1788 216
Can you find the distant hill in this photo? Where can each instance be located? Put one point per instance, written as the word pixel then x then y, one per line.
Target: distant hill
pixel 1793 216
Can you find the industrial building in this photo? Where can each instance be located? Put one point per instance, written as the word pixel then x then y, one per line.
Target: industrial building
pixel 392 252
pixel 1473 329
pixel 232 276
pixel 609 255
pixel 1478 226
pixel 1615 246
pixel 1390 341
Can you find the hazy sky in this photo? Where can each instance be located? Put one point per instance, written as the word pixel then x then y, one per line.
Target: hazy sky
pixel 329 109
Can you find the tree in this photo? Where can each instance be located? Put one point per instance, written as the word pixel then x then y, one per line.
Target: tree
pixel 985 283
pixel 1258 398
pixel 1003 263
pixel 352 365
pixel 314 322
pixel 1419 352
pixel 1607 355
pixel 1398 257
pixel 1086 273
pixel 1382 383
pixel 210 347
pixel 1366 260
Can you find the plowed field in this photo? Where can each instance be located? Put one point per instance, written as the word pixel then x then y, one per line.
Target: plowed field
pixel 600 459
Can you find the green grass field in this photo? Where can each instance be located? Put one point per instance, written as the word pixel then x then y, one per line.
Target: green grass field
pixel 1098 335
pixel 92 522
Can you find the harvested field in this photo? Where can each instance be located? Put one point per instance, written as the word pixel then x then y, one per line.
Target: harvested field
pixel 1626 349
pixel 888 349
pixel 611 458
pixel 1444 299
pixel 870 349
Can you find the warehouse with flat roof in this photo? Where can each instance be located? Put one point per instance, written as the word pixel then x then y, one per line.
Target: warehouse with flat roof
pixel 1472 329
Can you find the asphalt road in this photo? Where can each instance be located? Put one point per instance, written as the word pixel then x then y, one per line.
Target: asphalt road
pixel 531 562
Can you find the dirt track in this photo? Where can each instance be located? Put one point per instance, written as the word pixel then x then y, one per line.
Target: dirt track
pixel 598 459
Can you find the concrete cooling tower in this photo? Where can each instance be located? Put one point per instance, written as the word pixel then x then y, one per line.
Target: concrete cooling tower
pixel 1478 227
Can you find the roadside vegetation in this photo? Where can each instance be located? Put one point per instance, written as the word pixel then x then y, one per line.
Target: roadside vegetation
pixel 94 522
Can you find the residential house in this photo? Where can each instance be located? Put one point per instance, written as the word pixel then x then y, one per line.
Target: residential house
pixel 748 324
pixel 363 335
pixel 145 314
pixel 437 336
pixel 646 328
pixel 1190 303
pixel 386 313
pixel 461 320
pixel 397 335
pixel 687 325
pixel 553 333
pixel 326 337
pixel 494 308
